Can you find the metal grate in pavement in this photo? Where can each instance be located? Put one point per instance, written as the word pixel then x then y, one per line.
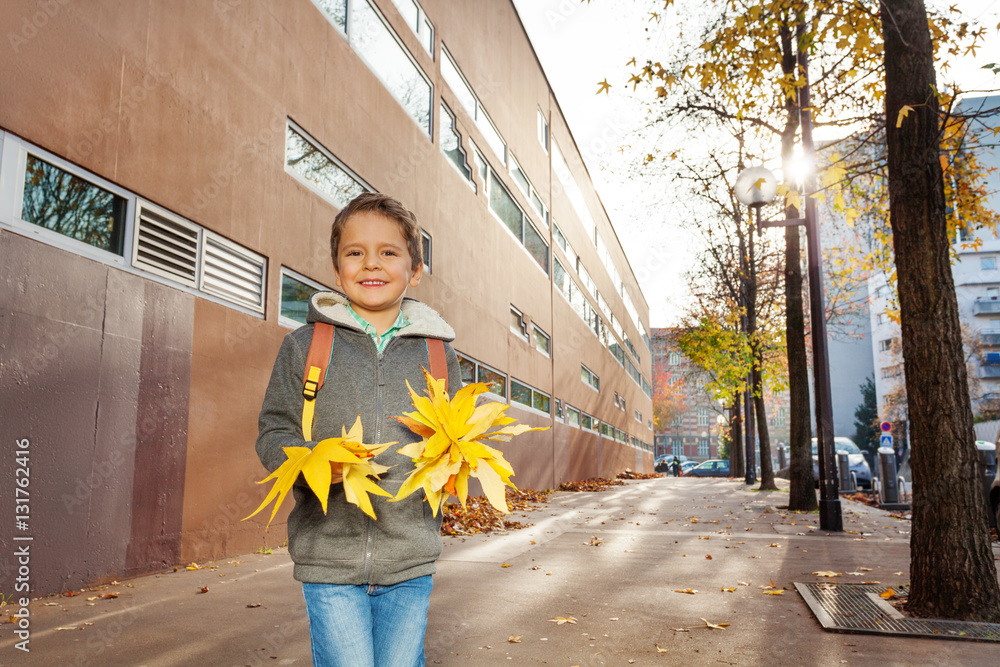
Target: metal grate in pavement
pixel 858 608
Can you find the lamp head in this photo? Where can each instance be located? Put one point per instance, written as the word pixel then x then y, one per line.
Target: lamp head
pixel 756 186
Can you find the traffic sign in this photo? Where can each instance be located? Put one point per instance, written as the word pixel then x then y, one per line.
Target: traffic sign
pixel 886 427
pixel 885 441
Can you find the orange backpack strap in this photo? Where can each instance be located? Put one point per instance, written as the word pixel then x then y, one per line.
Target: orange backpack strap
pixel 317 361
pixel 438 360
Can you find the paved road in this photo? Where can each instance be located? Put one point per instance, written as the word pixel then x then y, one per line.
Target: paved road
pixel 612 561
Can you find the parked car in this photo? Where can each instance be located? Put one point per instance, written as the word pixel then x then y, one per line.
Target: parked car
pixel 859 465
pixel 710 468
pixel 686 466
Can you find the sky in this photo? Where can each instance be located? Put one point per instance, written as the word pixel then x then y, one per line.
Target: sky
pixel 580 44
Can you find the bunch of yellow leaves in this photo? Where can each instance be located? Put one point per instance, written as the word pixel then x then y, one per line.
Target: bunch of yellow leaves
pixel 453 447
pixel 314 464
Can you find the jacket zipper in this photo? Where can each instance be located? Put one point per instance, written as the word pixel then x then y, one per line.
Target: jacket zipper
pixel 369 523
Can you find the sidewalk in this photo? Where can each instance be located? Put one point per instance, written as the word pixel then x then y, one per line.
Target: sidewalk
pixel 612 561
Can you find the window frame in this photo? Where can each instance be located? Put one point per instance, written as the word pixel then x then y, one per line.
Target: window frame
pixel 290 124
pixel 14 163
pixel 543 136
pixel 294 275
pixel 537 331
pixel 453 127
pixel 428 254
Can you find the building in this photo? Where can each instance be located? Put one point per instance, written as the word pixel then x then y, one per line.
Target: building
pixel 976 272
pixel 695 432
pixel 169 175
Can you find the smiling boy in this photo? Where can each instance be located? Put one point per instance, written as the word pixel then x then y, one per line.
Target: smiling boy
pixel 366 582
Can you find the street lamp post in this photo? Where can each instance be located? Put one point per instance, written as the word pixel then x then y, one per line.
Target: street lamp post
pixel 756 187
pixel 749 457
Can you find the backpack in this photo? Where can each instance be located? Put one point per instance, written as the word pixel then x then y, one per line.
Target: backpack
pixel 318 359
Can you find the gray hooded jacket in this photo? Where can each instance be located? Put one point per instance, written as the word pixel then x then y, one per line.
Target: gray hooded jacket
pixel 345 546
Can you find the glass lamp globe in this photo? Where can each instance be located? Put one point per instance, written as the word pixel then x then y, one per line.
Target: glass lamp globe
pixel 755 186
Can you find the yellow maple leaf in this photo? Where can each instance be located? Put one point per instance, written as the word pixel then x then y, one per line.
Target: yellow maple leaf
pixel 560 620
pixel 314 465
pixel 604 86
pixel 889 594
pixel 781 592
pixel 827 573
pixel 453 446
pixel 689 591
pixel 903 113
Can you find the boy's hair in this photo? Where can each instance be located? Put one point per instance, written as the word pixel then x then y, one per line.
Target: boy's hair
pixel 391 208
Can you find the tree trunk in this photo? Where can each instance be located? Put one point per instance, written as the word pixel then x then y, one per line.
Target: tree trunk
pixel 951 565
pixel 802 492
pixel 736 468
pixel 766 469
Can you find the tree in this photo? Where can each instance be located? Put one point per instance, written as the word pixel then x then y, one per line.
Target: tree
pixel 951 572
pixel 866 432
pixel 668 396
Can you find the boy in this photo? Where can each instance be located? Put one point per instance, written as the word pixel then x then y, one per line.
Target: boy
pixel 366 582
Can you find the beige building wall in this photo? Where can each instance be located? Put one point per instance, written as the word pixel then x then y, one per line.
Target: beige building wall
pixel 185 105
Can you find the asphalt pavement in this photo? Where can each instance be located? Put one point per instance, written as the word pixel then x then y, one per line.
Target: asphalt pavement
pixel 594 580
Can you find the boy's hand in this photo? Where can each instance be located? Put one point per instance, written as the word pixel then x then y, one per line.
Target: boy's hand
pixel 337 472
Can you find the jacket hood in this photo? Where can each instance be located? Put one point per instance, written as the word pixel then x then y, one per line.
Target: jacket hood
pixel 331 307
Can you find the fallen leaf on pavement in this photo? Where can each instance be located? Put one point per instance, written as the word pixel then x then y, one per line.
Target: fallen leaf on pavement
pixel 515 639
pixel 659 649
pixel 742 583
pixel 253 605
pixel 689 591
pixel 613 619
pixel 716 626
pixel 827 573
pixel 559 620
pixel 781 592
pixel 505 565
pixel 871 582
pixel 865 569
pixel 109 596
pixel 770 585
pixel 731 590
pixel 204 589
pixel 708 557
pixel 774 545
pixel 193 566
pixel 889 594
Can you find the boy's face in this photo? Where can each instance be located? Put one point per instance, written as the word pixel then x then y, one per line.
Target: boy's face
pixel 375 267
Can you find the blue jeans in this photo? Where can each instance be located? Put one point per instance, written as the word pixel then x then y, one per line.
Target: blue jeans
pixel 366 625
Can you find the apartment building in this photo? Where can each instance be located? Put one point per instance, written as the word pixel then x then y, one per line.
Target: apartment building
pixel 976 272
pixel 168 177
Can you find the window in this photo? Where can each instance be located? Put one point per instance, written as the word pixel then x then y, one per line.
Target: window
pixel 520 393
pixel 781 417
pixel 336 11
pixel 295 293
pixel 991 359
pixel 588 422
pixel 993 293
pixel 637 415
pixel 521 180
pixel 703 447
pixel 885 345
pixel 426 249
pixel 881 318
pixel 69 205
pixel 380 48
pixel 317 168
pixel 572 190
pixel 517 324
pixel 542 341
pixel 451 144
pixel 674 359
pixel 460 86
pixel 678 420
pixel 572 416
pixel 607 430
pixel 475 371
pixel 621 402
pixel 677 446
pixel 987 263
pixel 415 17
pixel 702 416
pixel 510 214
pixel 567 249
pixel 559 410
pixel 590 378
pixel 543 131
pixel 481 166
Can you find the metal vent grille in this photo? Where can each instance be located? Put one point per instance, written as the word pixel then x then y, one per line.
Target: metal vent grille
pixel 858 608
pixel 233 273
pixel 166 246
